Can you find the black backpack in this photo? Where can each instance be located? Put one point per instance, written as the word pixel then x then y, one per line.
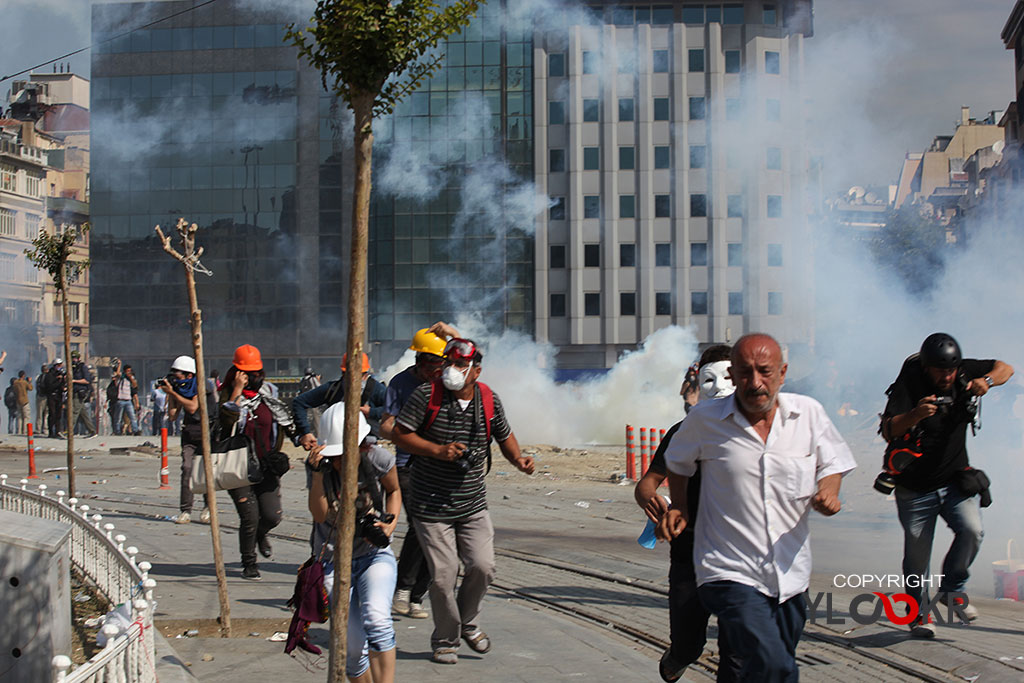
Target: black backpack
pixel 11 398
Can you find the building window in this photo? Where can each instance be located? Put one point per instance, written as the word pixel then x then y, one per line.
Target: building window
pixel 557 210
pixel 732 61
pixel 698 253
pixel 556 256
pixel 662 15
pixel 627 158
pixel 625 109
pixel 7 222
pixel 696 60
pixel 591 110
pixel 735 303
pixel 591 158
pixel 627 255
pixel 589 62
pixel 663 254
pixel 627 206
pixel 556 113
pixel 662 206
pixel 591 255
pixel 698 156
pixel 659 61
pixel 661 109
pixel 31 272
pixel 627 303
pixel 773 110
pixel 775 255
pixel 663 303
pixel 556 160
pixel 774 159
pixel 774 303
pixel 592 303
pixel 74 312
pixel 735 206
pixel 698 303
pixel 7 265
pixel 32 225
pixel 662 157
pixel 735 254
pixel 693 14
pixel 771 62
pixel 558 305
pixel 770 16
pixel 732 109
pixel 732 14
pixel 698 205
pixel 592 206
pixel 32 185
pixel 774 206
pixel 556 64
pixel 8 178
pixel 697 109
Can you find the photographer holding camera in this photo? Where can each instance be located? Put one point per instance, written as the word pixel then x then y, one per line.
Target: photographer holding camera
pixel 371 632
pixel 450 423
pixel 182 389
pixel 930 405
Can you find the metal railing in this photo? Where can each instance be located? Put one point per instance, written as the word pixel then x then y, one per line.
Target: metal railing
pixel 128 656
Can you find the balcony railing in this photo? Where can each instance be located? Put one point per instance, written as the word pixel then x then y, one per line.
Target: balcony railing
pixel 129 656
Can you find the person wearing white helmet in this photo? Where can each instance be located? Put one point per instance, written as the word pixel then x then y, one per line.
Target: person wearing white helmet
pixel 181 388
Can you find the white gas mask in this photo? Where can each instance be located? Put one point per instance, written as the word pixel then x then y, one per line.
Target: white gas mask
pixel 713 380
pixel 454 378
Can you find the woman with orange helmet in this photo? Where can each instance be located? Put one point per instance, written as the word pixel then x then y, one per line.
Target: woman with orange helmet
pixel 250 406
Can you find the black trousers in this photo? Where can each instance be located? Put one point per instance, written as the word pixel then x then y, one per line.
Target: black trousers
pixel 53 406
pixel 259 511
pixel 688 619
pixel 413 572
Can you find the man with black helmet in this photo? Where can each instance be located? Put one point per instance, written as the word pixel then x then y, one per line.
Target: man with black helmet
pixel 933 400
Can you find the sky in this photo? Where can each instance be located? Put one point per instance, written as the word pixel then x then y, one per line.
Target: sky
pixel 929 58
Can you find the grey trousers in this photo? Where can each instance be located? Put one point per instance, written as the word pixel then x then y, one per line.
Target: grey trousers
pixel 444 544
pixel 188 455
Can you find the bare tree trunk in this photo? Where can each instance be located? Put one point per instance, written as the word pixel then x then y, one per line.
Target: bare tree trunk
pixel 204 422
pixel 68 377
pixel 362 107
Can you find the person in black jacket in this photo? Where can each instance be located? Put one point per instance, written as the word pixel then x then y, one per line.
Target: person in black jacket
pixel 932 399
pixel 371 402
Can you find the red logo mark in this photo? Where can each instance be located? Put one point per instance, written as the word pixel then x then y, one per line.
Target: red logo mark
pixel 890 612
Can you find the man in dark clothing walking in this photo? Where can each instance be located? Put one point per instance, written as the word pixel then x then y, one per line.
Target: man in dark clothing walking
pixel 325 395
pixel 81 380
pixel 55 386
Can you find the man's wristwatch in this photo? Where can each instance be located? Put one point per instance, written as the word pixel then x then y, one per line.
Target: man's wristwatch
pixel 988 380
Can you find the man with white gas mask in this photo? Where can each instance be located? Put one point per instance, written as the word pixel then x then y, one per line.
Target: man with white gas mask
pixel 449 423
pixel 688 620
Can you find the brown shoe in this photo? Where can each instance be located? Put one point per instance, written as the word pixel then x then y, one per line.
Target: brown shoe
pixel 478 641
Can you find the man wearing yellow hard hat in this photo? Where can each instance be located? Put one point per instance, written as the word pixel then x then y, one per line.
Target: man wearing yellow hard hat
pixel 413 573
pixel 371 401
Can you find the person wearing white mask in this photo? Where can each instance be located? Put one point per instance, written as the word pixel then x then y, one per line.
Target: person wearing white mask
pixel 449 424
pixel 688 620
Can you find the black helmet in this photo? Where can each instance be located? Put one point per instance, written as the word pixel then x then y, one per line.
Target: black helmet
pixel 309 371
pixel 940 350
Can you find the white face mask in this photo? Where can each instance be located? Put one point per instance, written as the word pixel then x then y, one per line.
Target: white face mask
pixel 713 380
pixel 453 378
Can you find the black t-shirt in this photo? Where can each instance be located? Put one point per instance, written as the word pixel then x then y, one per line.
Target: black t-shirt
pixel 693 485
pixel 944 435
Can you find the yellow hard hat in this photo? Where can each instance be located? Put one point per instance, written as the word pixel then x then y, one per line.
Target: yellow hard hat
pixel 425 341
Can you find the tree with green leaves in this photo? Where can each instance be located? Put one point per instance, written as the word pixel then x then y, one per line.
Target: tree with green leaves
pixel 371 54
pixel 54 254
pixel 913 246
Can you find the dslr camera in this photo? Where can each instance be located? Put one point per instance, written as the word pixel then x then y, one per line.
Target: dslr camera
pixel 374 534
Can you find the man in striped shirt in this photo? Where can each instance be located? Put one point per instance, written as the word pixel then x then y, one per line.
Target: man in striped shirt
pixel 449 505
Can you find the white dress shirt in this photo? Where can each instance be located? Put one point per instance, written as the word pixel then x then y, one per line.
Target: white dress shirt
pixel 755 496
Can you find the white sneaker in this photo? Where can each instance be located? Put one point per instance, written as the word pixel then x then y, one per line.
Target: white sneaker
pixel 183 518
pixel 922 627
pixel 400 603
pixel 416 611
pixel 969 611
pixel 204 516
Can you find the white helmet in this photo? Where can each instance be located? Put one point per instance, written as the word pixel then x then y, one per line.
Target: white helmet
pixel 185 364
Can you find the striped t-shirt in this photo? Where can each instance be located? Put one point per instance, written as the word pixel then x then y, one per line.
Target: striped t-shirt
pixel 443 491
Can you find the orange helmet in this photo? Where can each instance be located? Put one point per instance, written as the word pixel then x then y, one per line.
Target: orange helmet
pixel 366 363
pixel 247 358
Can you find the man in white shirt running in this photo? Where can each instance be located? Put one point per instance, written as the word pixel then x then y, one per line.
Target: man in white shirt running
pixel 766 458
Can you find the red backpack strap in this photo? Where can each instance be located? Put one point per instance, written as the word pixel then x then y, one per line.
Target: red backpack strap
pixel 487 397
pixel 433 405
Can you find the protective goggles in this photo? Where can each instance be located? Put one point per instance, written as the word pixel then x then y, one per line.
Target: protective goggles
pixel 461 349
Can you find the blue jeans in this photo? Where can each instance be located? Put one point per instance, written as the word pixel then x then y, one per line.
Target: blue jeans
pixel 369 610
pixel 763 630
pixel 918 512
pixel 119 412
